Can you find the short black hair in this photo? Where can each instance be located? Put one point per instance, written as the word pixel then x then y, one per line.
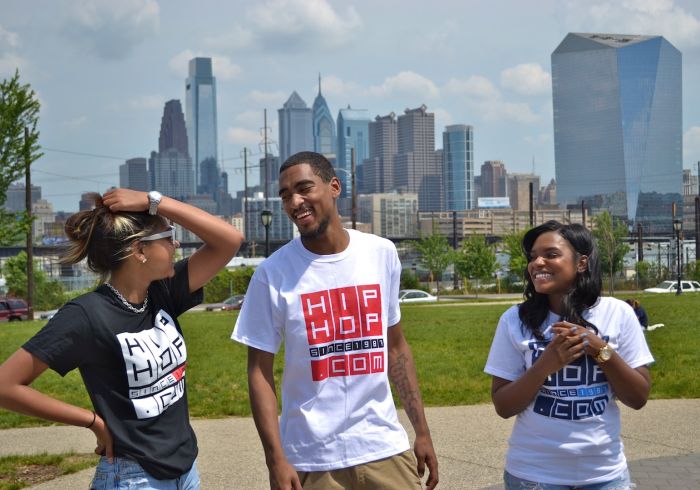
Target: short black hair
pixel 319 164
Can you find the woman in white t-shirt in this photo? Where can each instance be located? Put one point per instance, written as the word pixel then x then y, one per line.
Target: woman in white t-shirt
pixel 559 362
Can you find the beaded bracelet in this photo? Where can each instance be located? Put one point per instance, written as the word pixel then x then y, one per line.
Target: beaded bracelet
pixel 94 417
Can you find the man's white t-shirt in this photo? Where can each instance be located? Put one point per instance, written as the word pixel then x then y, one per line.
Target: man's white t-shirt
pixel 570 432
pixel 332 312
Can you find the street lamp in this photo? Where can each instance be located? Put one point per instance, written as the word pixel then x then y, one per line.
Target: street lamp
pixel 266 218
pixel 677 227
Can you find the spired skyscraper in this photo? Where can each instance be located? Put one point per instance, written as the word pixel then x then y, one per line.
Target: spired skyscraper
pixel 323 125
pixel 171 168
pixel 201 125
pixel 618 126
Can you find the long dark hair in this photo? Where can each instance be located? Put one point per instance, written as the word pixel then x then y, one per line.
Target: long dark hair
pixel 585 290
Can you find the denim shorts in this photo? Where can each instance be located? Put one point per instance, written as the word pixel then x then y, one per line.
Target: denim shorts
pixel 125 473
pixel 622 482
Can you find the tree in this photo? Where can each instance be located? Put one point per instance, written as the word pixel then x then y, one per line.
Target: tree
pixel 48 294
pixel 513 246
pixel 435 255
pixel 19 109
pixel 226 283
pixel 609 234
pixel 476 259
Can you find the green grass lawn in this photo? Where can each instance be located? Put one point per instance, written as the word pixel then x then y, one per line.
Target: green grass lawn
pixel 450 344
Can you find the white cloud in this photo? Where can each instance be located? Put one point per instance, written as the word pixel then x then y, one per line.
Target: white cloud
pixel 289 25
pixel 542 140
pixel 527 79
pixel 242 136
pixel 691 145
pixel 8 40
pixel 646 17
pixel 442 118
pixel 76 122
pixel 482 96
pixel 10 63
pixel 109 29
pixel 474 86
pixel 271 99
pixel 333 86
pixel 250 118
pixel 222 66
pixel 406 83
pixel 141 102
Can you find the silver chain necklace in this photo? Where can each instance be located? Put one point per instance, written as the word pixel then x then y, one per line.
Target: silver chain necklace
pixel 126 303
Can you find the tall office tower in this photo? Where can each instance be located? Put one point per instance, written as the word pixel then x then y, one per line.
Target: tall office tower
pixel 323 125
pixel 353 132
pixel 15 200
pixel 493 179
pixel 458 168
pixel 417 169
pixel 519 190
pixel 201 125
pixel 270 170
pixel 548 194
pixel 295 127
pixel 133 174
pixel 171 168
pixel 378 169
pixel 617 125
pixel 86 203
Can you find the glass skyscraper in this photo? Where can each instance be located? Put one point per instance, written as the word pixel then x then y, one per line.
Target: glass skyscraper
pixel 618 126
pixel 353 132
pixel 201 125
pixel 295 127
pixel 324 126
pixel 458 167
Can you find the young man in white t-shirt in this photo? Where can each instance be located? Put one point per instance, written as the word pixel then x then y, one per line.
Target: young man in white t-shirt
pixel 332 296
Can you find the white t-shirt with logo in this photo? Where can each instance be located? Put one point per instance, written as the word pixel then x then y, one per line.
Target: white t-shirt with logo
pixel 332 312
pixel 570 432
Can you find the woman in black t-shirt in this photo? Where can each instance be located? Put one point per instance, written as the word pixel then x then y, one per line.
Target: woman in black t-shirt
pixel 124 336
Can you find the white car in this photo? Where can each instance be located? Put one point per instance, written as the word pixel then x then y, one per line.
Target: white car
pixel 670 287
pixel 415 296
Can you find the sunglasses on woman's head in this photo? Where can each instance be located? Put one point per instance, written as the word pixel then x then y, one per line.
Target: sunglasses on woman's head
pixel 169 233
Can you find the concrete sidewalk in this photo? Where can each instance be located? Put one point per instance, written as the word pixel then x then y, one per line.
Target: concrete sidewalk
pixel 662 444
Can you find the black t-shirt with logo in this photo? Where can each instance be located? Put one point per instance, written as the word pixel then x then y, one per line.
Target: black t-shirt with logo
pixel 133 366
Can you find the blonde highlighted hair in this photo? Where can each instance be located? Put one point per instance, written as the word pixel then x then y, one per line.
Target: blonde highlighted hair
pixel 104 237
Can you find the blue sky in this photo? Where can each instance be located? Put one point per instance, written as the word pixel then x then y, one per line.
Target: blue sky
pixel 104 69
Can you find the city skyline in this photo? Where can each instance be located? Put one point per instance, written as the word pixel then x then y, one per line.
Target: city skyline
pixel 103 71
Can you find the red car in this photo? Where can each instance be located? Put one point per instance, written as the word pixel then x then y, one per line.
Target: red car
pixel 13 309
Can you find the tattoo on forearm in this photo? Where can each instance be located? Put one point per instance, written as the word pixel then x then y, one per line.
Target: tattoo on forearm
pixel 410 398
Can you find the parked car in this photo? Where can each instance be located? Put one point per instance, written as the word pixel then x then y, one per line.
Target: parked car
pixel 415 296
pixel 13 309
pixel 232 303
pixel 671 286
pixel 47 315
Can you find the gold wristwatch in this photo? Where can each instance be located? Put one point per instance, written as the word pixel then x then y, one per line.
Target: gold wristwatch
pixel 604 354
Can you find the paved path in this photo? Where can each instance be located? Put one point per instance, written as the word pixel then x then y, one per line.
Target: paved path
pixel 662 443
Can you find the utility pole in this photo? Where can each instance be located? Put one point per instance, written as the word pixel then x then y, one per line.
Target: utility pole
pixel 354 189
pixel 267 167
pixel 246 226
pixel 531 203
pixel 30 238
pixel 697 225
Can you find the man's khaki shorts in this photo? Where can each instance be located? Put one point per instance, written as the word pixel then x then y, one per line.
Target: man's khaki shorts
pixel 398 472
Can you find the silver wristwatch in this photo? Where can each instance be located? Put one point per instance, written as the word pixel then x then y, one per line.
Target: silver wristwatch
pixel 154 198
